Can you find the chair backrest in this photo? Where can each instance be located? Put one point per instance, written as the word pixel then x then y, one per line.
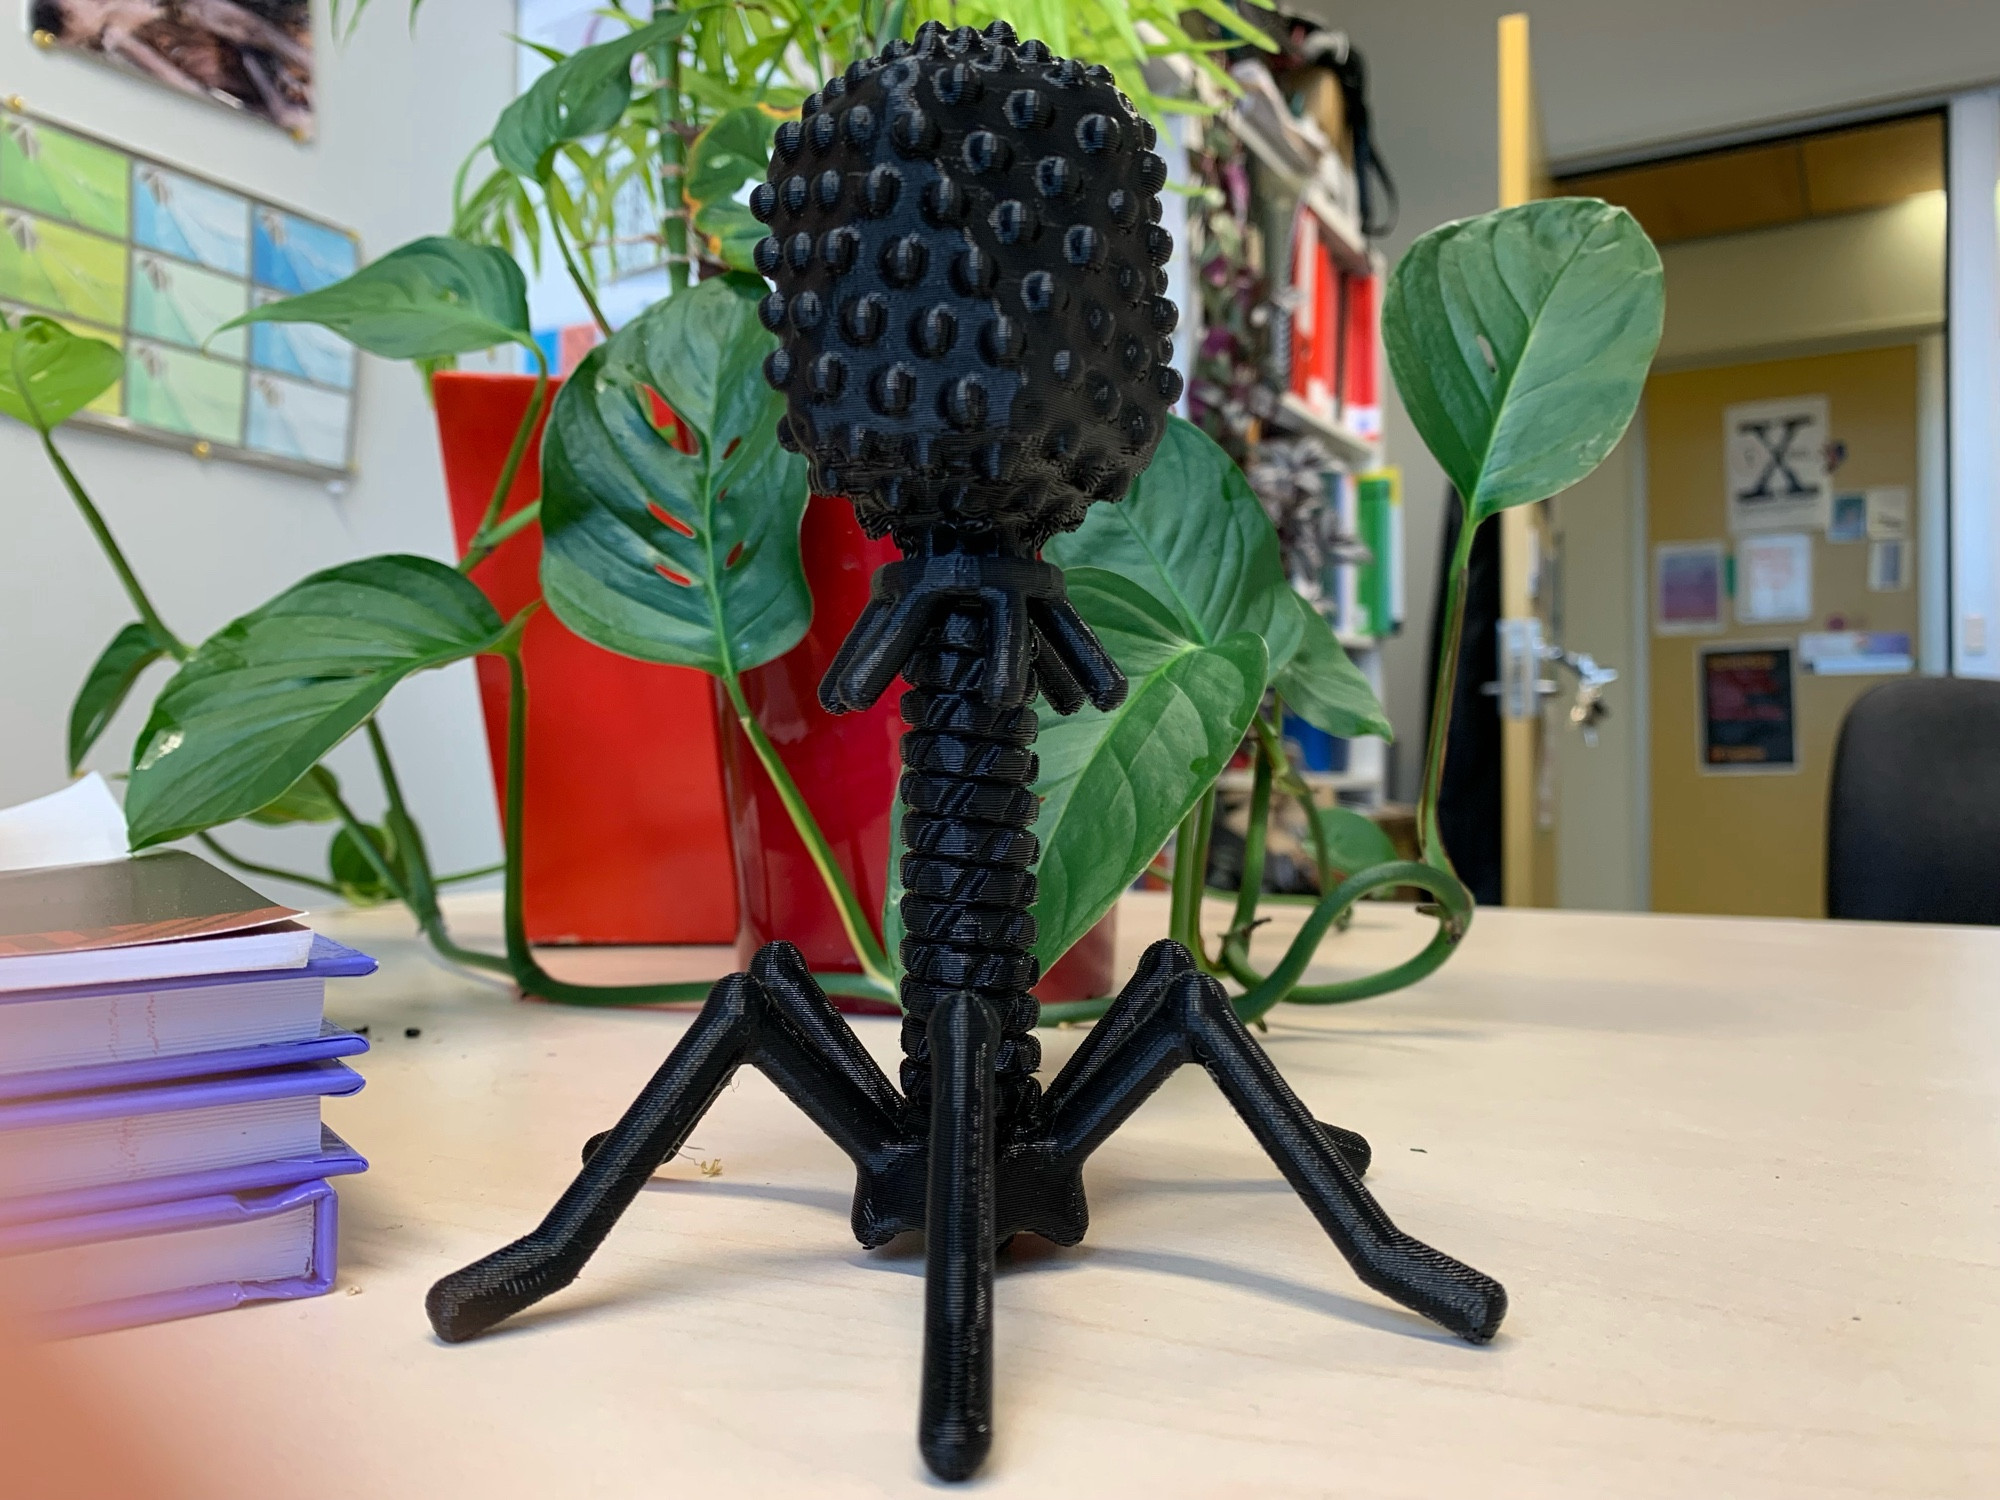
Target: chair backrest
pixel 1913 821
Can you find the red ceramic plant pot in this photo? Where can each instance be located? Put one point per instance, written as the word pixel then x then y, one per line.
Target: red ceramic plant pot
pixel 627 831
pixel 629 836
pixel 846 767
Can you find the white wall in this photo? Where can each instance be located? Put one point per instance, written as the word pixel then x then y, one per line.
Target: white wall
pixel 212 539
pixel 1612 75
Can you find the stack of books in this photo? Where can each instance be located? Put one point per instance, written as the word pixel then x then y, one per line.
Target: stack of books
pixel 163 1055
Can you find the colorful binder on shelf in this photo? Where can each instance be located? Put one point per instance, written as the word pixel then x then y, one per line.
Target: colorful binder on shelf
pixel 1359 396
pixel 1379 520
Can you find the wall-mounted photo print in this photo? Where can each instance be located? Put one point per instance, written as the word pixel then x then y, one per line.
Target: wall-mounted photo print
pixel 154 260
pixel 249 55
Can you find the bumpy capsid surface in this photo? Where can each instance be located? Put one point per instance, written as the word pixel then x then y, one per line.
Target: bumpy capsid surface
pixel 969 293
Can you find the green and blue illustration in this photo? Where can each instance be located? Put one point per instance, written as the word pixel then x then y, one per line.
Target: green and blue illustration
pixel 153 260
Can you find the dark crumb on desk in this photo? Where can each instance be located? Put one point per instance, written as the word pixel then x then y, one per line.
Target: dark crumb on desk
pixel 413 1031
pixel 1421 1151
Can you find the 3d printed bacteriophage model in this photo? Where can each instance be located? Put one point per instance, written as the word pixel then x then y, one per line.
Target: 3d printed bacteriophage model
pixel 974 347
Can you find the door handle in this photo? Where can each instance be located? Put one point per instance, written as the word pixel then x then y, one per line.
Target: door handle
pixel 1521 687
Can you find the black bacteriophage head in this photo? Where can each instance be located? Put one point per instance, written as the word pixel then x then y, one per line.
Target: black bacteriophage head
pixel 974 337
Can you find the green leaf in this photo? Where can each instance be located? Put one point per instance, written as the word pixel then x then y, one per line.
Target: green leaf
pixel 48 374
pixel 307 800
pixel 1520 341
pixel 892 896
pixel 1354 842
pixel 582 96
pixel 271 693
pixel 732 233
pixel 1323 687
pixel 1114 786
pixel 431 298
pixel 352 870
pixel 1192 535
pixel 734 149
pixel 105 686
pixel 690 558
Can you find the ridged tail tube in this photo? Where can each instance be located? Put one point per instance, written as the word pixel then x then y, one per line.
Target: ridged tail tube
pixel 968 769
pixel 968 1043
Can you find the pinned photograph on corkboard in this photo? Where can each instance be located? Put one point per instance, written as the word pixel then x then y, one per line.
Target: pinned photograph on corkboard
pixel 249 55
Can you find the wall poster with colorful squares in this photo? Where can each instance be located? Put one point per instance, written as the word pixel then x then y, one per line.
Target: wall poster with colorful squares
pixel 153 259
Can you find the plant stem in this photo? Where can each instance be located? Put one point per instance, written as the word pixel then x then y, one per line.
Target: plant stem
pixel 520 520
pixel 1453 911
pixel 251 867
pixel 853 920
pixel 1431 843
pixel 1189 879
pixel 463 875
pixel 1250 888
pixel 429 918
pixel 402 827
pixel 673 155
pixel 1295 787
pixel 576 276
pixel 148 616
pixel 491 531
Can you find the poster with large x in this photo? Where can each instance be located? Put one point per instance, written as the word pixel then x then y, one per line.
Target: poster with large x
pixel 1775 462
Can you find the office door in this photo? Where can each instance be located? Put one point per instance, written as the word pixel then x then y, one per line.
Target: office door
pixel 1527 782
pixel 1738 827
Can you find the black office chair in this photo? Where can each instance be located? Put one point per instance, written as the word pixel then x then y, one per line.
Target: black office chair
pixel 1913 822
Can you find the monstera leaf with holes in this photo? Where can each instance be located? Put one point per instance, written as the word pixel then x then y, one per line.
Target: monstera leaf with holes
pixel 689 557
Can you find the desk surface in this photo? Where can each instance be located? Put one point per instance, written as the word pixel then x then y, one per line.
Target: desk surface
pixel 1741 1179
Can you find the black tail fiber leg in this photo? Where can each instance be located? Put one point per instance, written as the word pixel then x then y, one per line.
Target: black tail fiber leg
pixel 1400 1267
pixel 1172 1014
pixel 546 1259
pixel 774 1018
pixel 955 1423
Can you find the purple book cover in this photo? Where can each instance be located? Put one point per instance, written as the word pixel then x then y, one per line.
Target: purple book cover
pixel 335 1158
pixel 185 1214
pixel 328 960
pixel 324 1078
pixel 331 1042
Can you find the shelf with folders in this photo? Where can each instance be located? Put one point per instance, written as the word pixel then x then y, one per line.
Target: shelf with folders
pixel 1288 369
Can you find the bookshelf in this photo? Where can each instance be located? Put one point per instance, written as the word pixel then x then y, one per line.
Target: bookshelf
pixel 1347 445
pixel 1296 397
pixel 1338 225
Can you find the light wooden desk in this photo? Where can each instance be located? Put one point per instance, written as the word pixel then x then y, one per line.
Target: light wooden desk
pixel 1741 1179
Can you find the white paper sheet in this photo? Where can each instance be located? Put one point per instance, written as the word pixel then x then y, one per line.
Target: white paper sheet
pixel 79 825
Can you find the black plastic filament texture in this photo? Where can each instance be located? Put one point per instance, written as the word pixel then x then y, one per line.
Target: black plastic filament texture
pixel 974 341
